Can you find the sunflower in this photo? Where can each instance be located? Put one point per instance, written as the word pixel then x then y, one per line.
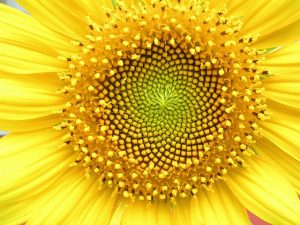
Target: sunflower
pixel 150 112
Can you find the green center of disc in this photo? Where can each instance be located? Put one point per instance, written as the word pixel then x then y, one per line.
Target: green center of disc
pixel 165 99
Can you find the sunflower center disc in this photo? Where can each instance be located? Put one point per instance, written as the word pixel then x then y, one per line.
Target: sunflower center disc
pixel 162 115
pixel 162 99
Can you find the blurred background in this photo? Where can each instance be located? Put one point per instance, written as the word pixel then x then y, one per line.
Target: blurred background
pixel 12 3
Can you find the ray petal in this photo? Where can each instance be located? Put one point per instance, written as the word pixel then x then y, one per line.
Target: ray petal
pixel 218 206
pixel 276 21
pixel 284 86
pixel 265 192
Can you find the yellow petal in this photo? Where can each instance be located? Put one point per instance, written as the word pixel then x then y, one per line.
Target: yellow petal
pixel 73 199
pixel 26 54
pixel 283 59
pixel 181 212
pixel 22 99
pixel 21 59
pixel 28 125
pixel 283 128
pixel 265 192
pixel 36 174
pixel 284 89
pixel 101 208
pixel 26 156
pixel 277 21
pixel 64 17
pixel 16 213
pixel 139 212
pixel 285 163
pixel 30 163
pixel 117 214
pixel 284 86
pixel 58 195
pixel 93 8
pixel 142 212
pixel 15 24
pixel 219 206
pixel 163 214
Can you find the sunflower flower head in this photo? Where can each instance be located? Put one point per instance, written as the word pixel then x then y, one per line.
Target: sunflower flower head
pixel 155 112
pixel 163 98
